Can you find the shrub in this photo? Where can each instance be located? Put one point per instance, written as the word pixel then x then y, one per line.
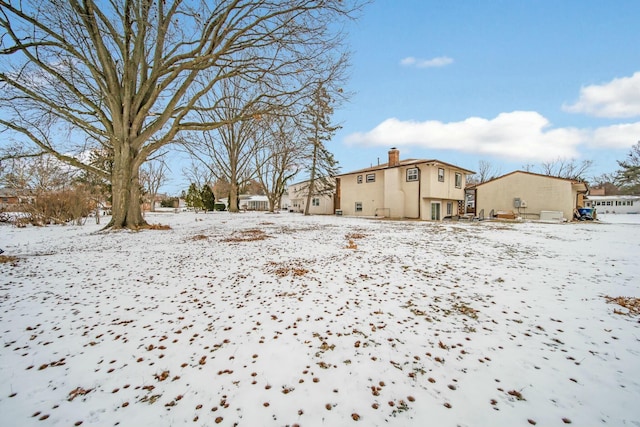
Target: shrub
pixel 59 207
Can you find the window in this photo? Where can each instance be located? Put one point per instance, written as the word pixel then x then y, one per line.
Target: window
pixel 412 174
pixel 458 180
pixel 449 208
pixel 609 203
pixel 358 206
pixel 371 177
pixel 315 201
pixel 359 179
pixel 440 174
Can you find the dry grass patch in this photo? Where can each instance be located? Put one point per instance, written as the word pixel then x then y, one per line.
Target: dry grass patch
pixel 466 310
pixel 199 237
pixel 7 259
pixel 78 391
pixel 282 269
pixel 351 238
pixel 632 305
pixel 250 235
pixel 351 245
pixel 158 227
pixel 355 236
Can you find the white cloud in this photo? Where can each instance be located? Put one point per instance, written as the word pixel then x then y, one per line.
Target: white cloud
pixel 615 136
pixel 439 61
pixel 518 135
pixel 618 98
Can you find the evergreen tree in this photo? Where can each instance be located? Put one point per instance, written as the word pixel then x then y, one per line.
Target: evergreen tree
pixel 207 198
pixel 318 129
pixel 628 177
pixel 194 197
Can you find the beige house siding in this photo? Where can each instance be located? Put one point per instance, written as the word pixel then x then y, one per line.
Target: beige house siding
pixel 297 194
pixel 539 192
pixel 368 194
pixel 392 195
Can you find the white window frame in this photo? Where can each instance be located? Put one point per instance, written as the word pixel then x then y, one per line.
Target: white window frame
pixel 315 201
pixel 359 179
pixel 371 177
pixel 412 174
pixel 358 206
pixel 458 180
pixel 440 174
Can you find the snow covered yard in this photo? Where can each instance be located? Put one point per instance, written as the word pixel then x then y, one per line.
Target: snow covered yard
pixel 270 320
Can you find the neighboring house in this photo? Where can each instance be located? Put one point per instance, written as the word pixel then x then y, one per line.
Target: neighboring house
pixel 529 195
pixel 420 189
pixel 613 204
pixel 10 200
pixel 321 203
pixel 285 203
pixel 248 202
pixel 254 203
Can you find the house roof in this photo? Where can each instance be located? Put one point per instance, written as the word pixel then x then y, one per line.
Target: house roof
pixel 405 163
pixel 581 184
pixel 306 181
pixel 616 197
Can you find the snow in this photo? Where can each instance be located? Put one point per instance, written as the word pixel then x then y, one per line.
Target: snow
pixel 258 319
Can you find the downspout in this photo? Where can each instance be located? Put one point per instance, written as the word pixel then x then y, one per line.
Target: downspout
pixel 419 193
pixel 475 202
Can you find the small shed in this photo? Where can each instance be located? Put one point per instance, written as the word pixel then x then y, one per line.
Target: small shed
pixel 530 195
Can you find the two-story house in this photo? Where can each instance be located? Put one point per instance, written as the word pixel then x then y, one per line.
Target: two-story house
pixel 413 188
pixel 322 201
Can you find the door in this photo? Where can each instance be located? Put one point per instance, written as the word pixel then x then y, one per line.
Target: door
pixel 435 211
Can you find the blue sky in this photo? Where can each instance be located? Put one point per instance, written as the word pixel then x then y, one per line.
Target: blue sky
pixel 508 82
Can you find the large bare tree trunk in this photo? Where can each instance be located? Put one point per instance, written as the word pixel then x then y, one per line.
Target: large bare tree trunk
pixel 273 201
pixel 233 197
pixel 126 208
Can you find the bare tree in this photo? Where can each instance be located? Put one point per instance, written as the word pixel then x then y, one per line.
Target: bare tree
pixel 606 182
pixel 280 159
pixel 229 150
pixel 567 168
pixel 127 76
pixel 153 174
pixel 37 175
pixel 16 174
pixel 198 173
pixel 486 171
pixel 222 187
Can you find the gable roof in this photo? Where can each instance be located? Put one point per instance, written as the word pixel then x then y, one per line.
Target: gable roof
pixel 405 163
pixel 572 181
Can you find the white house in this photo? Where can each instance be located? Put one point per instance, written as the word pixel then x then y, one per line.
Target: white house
pixel 613 204
pixel 322 203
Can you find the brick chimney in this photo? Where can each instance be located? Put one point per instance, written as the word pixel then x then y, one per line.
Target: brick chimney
pixel 394 157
